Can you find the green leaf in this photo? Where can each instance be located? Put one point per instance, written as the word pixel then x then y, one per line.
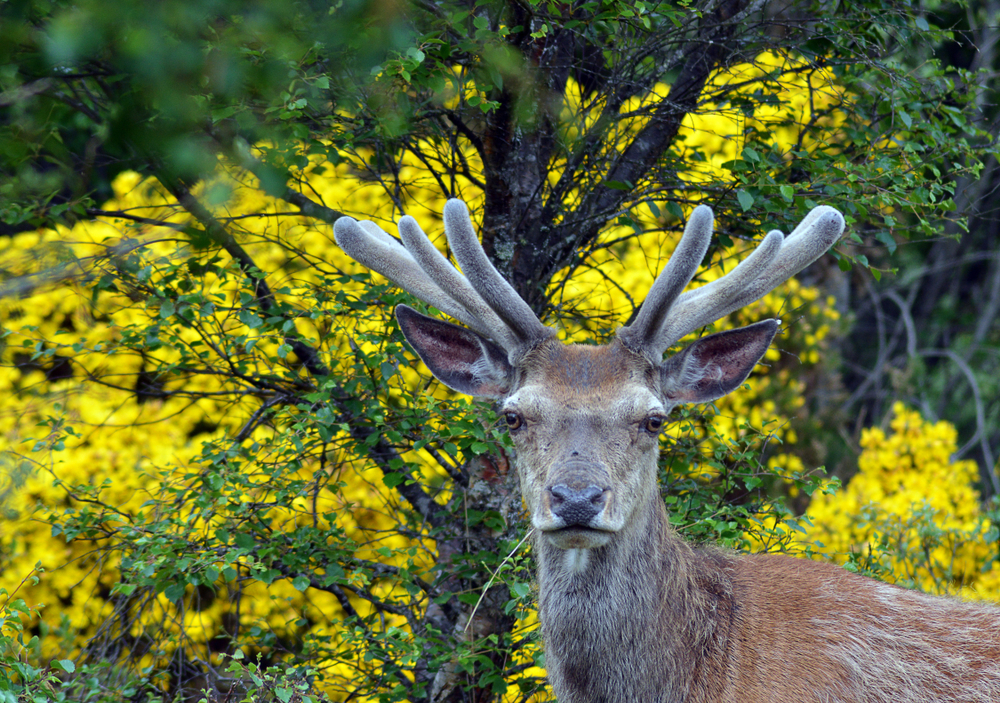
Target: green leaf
pixel 787 192
pixel 250 319
pixel 746 200
pixel 273 180
pixel 619 185
pixel 886 238
pixel 495 76
pixel 391 480
pixel 300 583
pixel 521 589
pixel 174 592
pixel 244 541
pixel 66 665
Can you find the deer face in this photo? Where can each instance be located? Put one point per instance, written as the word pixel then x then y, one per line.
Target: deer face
pixel 585 422
pixel 584 419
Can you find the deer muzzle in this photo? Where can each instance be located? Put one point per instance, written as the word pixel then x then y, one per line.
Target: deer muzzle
pixel 574 505
pixel 577 506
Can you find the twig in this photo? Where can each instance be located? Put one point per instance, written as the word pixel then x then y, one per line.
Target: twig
pixel 18 588
pixel 493 577
pixel 980 435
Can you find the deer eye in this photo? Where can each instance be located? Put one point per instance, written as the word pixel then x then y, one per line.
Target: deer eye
pixel 513 420
pixel 653 424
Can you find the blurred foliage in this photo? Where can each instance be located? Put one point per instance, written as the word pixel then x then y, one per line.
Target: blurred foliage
pixel 94 89
pixel 235 477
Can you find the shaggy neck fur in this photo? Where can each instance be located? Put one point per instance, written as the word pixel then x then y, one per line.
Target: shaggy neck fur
pixel 633 620
pixel 647 618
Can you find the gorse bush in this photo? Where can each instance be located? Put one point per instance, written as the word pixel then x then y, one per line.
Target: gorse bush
pixel 228 474
pixel 912 514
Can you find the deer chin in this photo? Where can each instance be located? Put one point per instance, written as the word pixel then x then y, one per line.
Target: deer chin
pixel 577 537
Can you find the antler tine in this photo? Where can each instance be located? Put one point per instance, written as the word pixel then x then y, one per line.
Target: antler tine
pixel 364 244
pixel 486 280
pixel 773 262
pixel 383 236
pixel 697 308
pixel 671 281
pixel 440 270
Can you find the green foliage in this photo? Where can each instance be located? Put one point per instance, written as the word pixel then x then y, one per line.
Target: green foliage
pixel 242 482
pixel 729 495
pixel 26 676
pixel 95 89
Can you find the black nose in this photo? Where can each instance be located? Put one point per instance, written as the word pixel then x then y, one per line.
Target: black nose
pixel 576 506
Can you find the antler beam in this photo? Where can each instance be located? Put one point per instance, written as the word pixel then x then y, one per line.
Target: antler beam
pixel 481 299
pixel 672 315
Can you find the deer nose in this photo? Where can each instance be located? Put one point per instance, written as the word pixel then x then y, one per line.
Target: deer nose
pixel 576 506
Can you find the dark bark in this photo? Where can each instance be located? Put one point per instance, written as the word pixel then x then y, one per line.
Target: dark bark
pixel 520 227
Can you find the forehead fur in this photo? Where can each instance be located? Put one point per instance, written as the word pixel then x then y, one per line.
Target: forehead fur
pixel 580 370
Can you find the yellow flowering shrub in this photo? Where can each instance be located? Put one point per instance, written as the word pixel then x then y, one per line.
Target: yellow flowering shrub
pixel 143 425
pixel 148 436
pixel 912 511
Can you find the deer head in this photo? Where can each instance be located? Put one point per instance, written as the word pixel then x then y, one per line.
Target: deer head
pixel 585 420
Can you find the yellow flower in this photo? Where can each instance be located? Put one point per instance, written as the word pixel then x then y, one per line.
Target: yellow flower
pixel 912 508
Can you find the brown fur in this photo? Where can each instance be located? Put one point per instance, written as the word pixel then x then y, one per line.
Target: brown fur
pixel 651 619
pixel 641 616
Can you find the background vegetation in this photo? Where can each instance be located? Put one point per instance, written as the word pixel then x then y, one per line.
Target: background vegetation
pixel 224 476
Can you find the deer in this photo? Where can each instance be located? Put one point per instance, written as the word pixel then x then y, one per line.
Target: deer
pixel 629 611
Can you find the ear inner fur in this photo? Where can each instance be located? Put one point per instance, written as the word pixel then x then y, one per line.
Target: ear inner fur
pixel 715 365
pixel 460 358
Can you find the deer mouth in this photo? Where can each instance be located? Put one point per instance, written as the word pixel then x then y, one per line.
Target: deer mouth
pixel 577 537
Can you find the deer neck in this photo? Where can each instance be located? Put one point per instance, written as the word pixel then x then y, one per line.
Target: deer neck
pixel 632 619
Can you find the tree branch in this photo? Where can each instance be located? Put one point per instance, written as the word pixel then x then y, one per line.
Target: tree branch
pixel 704 54
pixel 382 453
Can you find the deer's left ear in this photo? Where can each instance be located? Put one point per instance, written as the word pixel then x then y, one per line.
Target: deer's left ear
pixel 715 365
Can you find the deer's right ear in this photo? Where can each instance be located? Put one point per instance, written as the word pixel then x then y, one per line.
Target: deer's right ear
pixel 459 358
